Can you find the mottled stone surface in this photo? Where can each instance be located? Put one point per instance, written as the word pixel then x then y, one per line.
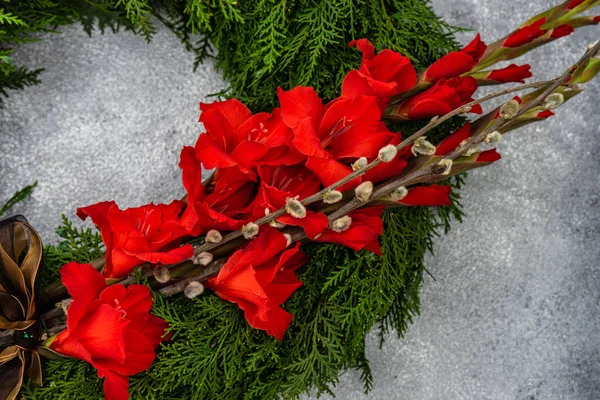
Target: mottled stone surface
pixel 513 312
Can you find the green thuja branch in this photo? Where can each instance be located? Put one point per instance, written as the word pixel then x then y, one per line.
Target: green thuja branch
pixel 77 244
pixel 17 198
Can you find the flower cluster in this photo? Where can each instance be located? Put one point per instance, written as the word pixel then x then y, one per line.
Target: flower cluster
pixel 270 161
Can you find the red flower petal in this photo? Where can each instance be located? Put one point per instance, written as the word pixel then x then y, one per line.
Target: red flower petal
pixel 329 171
pixel 300 103
pixel 526 34
pixel 573 3
pixel 363 233
pixel 544 114
pixel 488 156
pixel 306 139
pixel 453 141
pixel 115 386
pixel 211 155
pixel 313 224
pixel 512 73
pixel 434 195
pixel 365 47
pixel 476 48
pixel 84 284
pixel 101 334
pixel 450 65
pixel 560 31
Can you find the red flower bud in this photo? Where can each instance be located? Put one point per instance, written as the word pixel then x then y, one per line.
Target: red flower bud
pixel 574 3
pixel 362 234
pixel 434 195
pixel 440 99
pixel 560 31
pixel 457 62
pixel 449 144
pixel 526 34
pixel 488 156
pixel 544 114
pixel 512 73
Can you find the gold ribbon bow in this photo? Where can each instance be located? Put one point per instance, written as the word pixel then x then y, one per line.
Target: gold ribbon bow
pixel 20 258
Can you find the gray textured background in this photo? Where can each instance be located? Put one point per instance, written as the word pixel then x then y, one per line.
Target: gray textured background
pixel 513 312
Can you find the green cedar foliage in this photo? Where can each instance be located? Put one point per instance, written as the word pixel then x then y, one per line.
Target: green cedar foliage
pixel 18 197
pixel 266 44
pixel 77 244
pixel 214 353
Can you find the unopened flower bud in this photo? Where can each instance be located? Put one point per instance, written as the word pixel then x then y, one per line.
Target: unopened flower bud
pixel 553 100
pixel 162 274
pixel 250 230
pixel 288 239
pixel 445 165
pixel 294 207
pixel 341 224
pixel 360 163
pixel 398 193
pixel 422 146
pixel 364 191
pixel 193 289
pixel 213 236
pixel 509 109
pixel 387 153
pixel 332 197
pixel 493 138
pixel 203 258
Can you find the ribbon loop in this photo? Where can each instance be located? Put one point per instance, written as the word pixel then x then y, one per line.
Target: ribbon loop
pixel 20 258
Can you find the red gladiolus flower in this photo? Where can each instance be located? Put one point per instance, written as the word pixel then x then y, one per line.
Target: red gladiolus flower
pixel 440 99
pixel 236 138
pixel 456 62
pixel 109 327
pixel 259 279
pixel 363 233
pixel 526 34
pixel 512 73
pixel 150 233
pixel 383 75
pixel 219 208
pixel 280 183
pixel 345 128
pixel 432 196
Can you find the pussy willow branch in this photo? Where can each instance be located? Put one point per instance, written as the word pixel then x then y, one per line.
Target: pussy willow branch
pixel 405 178
pixel 426 170
pixel 434 122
